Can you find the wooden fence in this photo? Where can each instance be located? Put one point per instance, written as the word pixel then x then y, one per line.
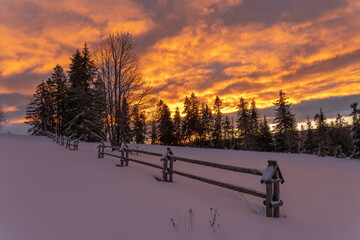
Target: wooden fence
pixel 271 177
pixel 62 141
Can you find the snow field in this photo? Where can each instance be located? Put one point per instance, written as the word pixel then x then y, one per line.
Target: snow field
pixel 48 192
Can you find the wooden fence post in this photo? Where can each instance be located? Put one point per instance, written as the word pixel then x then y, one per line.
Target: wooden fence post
pixel 122 159
pixel 101 150
pixel 126 157
pixel 167 172
pixel 276 197
pixel 272 177
pixel 268 199
pixel 76 144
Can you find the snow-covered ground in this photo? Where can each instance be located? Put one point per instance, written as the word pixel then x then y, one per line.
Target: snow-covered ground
pixel 50 193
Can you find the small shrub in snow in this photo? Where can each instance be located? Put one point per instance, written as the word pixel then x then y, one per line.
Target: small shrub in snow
pixel 214 214
pixel 188 222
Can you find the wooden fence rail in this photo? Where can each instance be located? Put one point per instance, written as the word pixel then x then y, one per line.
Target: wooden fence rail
pixel 271 177
pixel 71 144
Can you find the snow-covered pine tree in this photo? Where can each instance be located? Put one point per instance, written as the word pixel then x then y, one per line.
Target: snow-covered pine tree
pixel 355 131
pixel 228 128
pixel 38 113
pixel 191 123
pixel 286 134
pixel 177 127
pixel 309 142
pixel 82 117
pixel 206 124
pixel 166 126
pixel 60 90
pixel 265 140
pixel 51 92
pixel 217 129
pixel 2 117
pixel 253 126
pixel 243 121
pixel 321 135
pixel 342 133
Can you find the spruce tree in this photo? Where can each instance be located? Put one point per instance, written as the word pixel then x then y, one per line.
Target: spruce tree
pixel 243 120
pixel 286 135
pixel 177 127
pixel 153 134
pixel 355 130
pixel 2 118
pixel 265 140
pixel 166 126
pixel 60 90
pixel 309 142
pixel 253 126
pixel 83 120
pixel 191 123
pixel 39 112
pixel 342 137
pixel 186 128
pixel 206 123
pixel 321 133
pixel 227 132
pixel 217 130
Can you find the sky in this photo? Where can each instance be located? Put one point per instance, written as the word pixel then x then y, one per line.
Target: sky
pixel 232 48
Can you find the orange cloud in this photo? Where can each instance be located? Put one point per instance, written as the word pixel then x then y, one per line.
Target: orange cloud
pixel 256 60
pixel 205 47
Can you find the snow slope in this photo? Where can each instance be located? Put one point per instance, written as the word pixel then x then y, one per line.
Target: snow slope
pixel 50 193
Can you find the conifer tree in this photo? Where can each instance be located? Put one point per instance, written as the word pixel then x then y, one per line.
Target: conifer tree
pixel 2 117
pixel 321 133
pixel 191 123
pixel 153 127
pixel 243 120
pixel 309 142
pixel 342 138
pixel 217 132
pixel 177 127
pixel 166 126
pixel 253 126
pixel 83 120
pixel 154 135
pixel 206 123
pixel 60 90
pixel 286 135
pixel 355 131
pixel 265 140
pixel 227 132
pixel 38 113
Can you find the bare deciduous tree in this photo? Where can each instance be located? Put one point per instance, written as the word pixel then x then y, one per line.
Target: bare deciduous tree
pixel 125 88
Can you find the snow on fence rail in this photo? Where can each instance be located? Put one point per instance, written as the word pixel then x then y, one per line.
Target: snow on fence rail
pixel 68 143
pixel 271 177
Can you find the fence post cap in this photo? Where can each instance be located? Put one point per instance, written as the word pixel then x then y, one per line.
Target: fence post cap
pixel 166 154
pixel 271 169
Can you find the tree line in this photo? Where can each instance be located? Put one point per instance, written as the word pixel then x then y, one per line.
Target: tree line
pixel 206 126
pixel 102 97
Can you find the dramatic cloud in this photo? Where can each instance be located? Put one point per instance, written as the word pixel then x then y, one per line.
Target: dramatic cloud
pixel 230 48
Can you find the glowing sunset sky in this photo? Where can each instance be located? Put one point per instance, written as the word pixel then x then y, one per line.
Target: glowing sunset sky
pixel 230 48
